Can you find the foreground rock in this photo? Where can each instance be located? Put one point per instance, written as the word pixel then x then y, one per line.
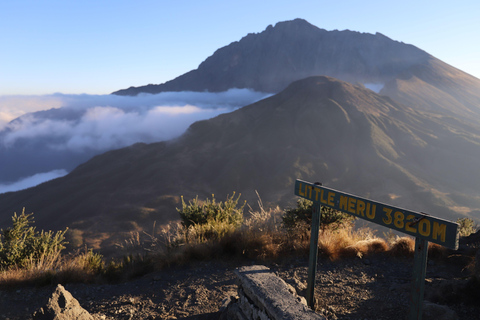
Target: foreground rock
pixel 263 295
pixel 62 306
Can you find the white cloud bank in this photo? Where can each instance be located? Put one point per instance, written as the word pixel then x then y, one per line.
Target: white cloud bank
pixel 32 181
pixel 74 127
pixel 109 121
pixel 103 128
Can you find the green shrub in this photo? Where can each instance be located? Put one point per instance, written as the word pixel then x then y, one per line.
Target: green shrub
pixel 209 219
pixel 302 214
pixel 204 212
pixel 21 245
pixel 92 261
pixel 466 227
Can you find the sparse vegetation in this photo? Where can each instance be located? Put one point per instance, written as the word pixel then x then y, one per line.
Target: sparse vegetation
pixel 208 229
pixel 267 233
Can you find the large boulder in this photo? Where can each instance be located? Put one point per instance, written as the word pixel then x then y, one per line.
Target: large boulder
pixel 62 306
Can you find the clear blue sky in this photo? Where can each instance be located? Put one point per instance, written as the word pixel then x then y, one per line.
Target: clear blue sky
pixel 100 46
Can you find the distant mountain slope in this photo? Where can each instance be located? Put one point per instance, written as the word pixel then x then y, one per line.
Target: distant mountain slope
pixel 317 129
pixel 437 86
pixel 293 50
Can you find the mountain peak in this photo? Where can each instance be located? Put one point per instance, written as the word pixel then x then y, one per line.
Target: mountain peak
pixel 295 23
pixel 291 50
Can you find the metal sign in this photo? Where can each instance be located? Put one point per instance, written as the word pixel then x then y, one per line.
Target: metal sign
pixel 416 224
pixel 423 227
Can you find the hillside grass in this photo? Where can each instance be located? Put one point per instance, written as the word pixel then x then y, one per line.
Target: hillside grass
pixel 263 235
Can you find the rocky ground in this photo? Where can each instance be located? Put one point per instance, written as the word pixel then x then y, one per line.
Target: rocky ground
pixel 374 287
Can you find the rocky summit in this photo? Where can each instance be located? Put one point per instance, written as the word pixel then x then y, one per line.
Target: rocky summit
pixel 291 50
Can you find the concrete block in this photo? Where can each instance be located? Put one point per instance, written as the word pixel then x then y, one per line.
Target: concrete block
pixel 271 296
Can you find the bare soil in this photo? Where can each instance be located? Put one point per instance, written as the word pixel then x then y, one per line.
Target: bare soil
pixel 374 287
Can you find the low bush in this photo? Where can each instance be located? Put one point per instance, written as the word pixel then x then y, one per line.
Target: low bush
pixel 209 219
pixel 330 218
pixel 202 212
pixel 22 246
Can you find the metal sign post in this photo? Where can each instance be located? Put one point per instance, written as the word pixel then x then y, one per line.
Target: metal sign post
pixel 312 263
pixel 423 227
pixel 419 273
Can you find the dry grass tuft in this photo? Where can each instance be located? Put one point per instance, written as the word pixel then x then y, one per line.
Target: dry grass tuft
pixel 403 246
pixel 330 243
pixel 364 247
pixel 348 242
pixel 80 267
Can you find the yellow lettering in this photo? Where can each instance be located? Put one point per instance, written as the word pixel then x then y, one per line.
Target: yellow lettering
pixel 322 199
pixel 439 230
pixel 351 205
pixel 361 208
pixel 399 216
pixel 316 193
pixel 410 219
pixel 371 214
pixel 424 227
pixel 310 196
pixel 388 219
pixel 343 203
pixel 331 196
pixel 300 193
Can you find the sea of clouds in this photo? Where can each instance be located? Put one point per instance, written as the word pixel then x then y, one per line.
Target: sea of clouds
pixel 45 137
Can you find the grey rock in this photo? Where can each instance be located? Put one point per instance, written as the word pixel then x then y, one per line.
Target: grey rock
pixel 62 306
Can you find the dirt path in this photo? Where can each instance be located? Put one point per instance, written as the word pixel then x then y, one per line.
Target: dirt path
pixel 370 288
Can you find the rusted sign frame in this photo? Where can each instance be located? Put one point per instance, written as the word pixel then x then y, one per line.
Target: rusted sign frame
pixel 423 227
